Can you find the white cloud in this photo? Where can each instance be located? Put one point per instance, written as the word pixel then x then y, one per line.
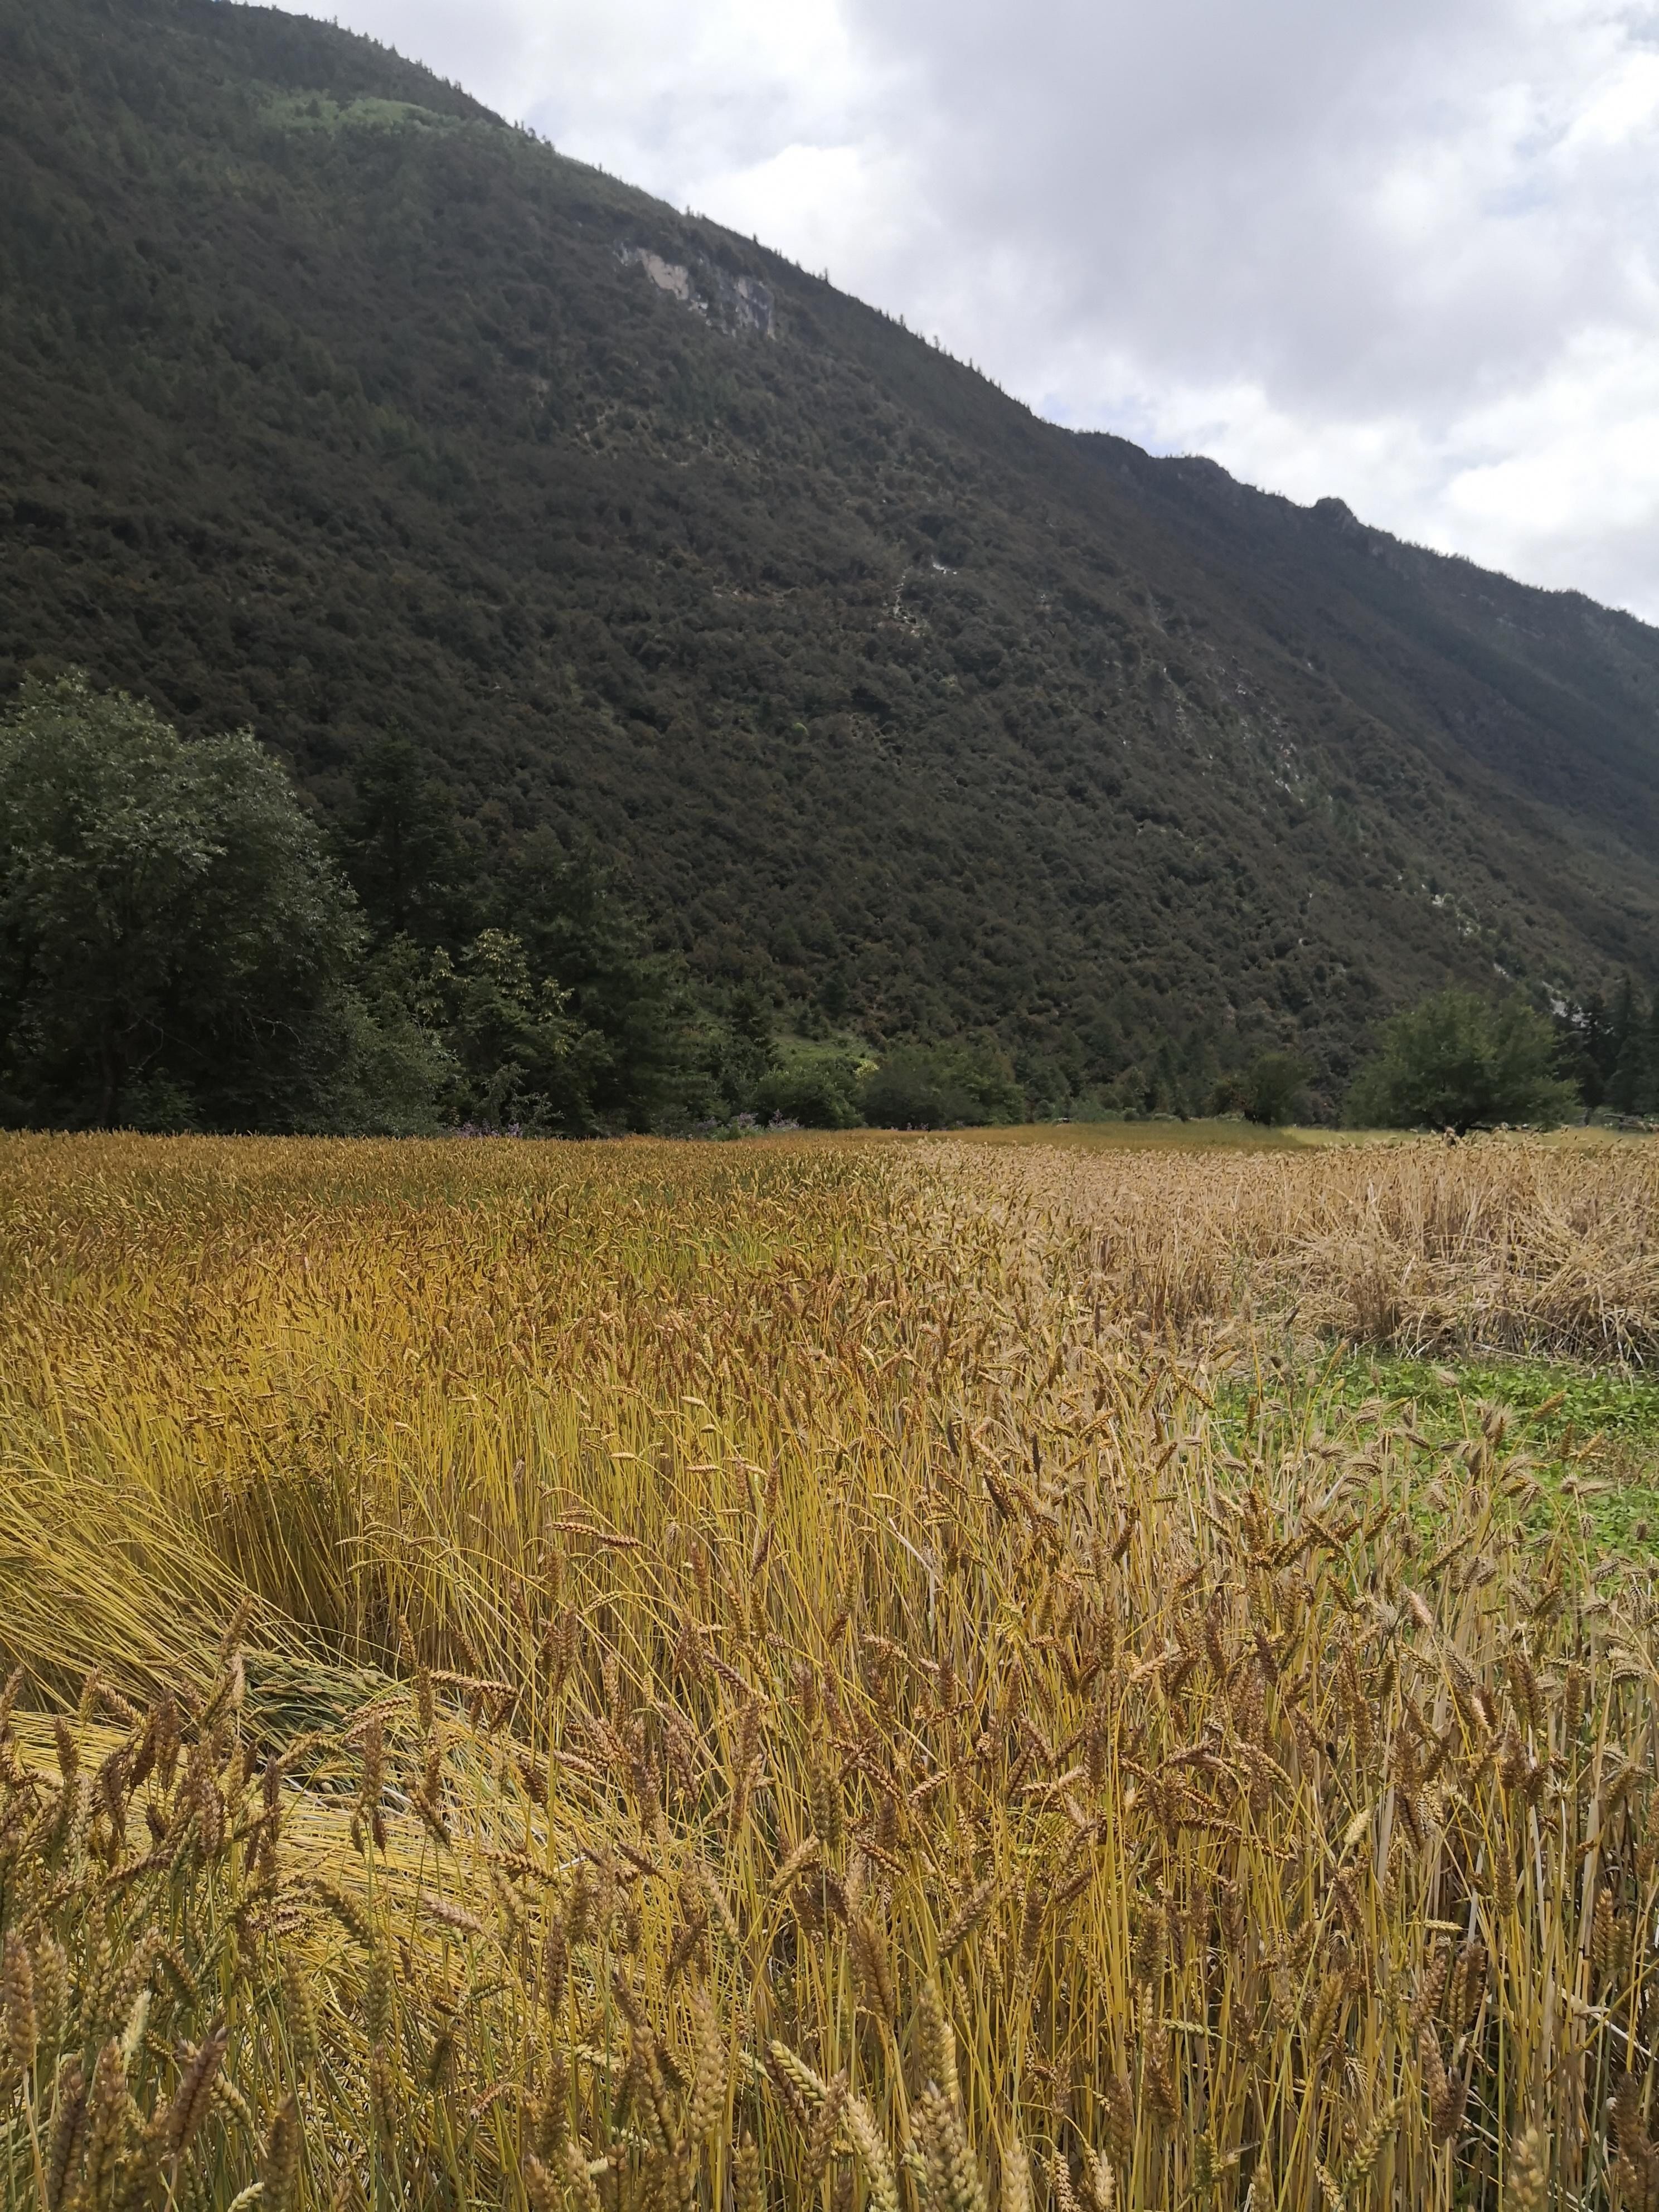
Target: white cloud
pixel 1403 253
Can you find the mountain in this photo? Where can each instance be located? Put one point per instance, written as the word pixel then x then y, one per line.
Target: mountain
pixel 333 405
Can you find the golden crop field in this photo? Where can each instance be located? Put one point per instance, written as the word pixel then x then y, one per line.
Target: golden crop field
pixel 816 1674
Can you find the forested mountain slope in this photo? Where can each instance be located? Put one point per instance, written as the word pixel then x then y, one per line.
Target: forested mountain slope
pixel 332 405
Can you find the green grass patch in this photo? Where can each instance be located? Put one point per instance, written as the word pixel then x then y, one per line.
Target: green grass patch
pixel 312 110
pixel 1592 1433
pixel 1564 1407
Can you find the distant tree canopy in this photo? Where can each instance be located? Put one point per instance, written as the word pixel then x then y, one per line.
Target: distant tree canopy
pixel 1458 1061
pixel 174 940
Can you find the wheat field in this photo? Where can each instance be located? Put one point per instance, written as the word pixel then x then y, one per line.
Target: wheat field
pixel 813 1673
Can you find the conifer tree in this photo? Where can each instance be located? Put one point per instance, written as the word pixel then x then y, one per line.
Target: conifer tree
pixel 1627 1052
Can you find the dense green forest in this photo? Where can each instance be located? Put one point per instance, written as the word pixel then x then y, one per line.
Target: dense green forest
pixel 780 688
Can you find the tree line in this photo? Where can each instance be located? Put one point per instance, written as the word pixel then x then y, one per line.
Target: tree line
pixel 183 945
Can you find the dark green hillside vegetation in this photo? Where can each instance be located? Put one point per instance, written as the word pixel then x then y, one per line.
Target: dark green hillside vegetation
pixel 337 408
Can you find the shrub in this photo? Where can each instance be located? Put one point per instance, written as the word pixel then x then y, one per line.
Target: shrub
pixel 962 1085
pixel 816 1086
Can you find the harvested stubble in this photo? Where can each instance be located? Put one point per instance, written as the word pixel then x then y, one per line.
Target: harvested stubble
pixel 1492 1245
pixel 753 1681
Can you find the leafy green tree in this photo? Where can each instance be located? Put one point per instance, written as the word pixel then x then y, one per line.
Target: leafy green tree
pixel 1271 1087
pixel 401 1076
pixel 1165 1093
pixel 641 1067
pixel 1585 1049
pixel 815 1085
pixel 980 1070
pixel 520 1059
pixel 743 1051
pixel 1457 1062
pixel 556 1016
pixel 905 1093
pixel 175 945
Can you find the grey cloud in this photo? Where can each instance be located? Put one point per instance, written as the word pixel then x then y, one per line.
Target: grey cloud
pixel 1212 184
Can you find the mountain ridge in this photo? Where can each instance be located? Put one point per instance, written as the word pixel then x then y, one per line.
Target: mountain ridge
pixel 899 705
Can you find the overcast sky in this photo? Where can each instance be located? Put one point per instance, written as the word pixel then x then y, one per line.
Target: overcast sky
pixel 1403 251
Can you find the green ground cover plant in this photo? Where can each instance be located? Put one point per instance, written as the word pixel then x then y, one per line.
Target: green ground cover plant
pixel 1593 1432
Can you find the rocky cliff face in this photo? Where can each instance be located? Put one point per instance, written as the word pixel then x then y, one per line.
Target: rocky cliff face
pixel 733 303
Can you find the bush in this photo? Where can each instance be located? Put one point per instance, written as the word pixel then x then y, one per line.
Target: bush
pixel 963 1085
pixel 815 1086
pixel 904 1093
pixel 1457 1062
